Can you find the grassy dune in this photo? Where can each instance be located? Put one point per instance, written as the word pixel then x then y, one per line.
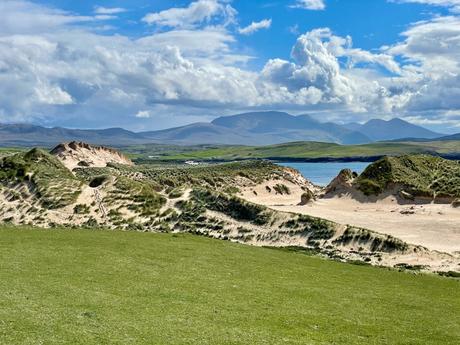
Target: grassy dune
pixel 422 175
pixel 102 287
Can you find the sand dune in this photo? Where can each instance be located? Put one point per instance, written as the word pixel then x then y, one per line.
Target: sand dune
pixel 435 226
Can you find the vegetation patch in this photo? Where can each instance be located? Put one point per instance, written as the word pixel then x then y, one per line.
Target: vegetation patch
pixel 233 206
pixel 281 189
pixel 81 209
pixel 420 175
pixel 50 181
pixel 376 242
pixel 141 197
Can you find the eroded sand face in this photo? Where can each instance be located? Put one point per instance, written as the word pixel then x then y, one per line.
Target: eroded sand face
pixel 435 226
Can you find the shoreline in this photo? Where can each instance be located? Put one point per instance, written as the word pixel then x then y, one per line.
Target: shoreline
pixel 351 159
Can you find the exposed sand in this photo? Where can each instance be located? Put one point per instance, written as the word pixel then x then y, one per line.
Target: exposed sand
pixel 435 226
pixel 73 154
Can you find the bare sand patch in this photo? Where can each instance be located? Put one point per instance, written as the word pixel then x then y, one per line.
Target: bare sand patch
pixel 434 226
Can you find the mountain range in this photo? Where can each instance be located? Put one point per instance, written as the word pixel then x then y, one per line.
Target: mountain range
pixel 256 128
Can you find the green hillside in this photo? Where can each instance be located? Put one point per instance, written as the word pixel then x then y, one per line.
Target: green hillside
pixel 103 287
pixel 421 175
pixel 296 150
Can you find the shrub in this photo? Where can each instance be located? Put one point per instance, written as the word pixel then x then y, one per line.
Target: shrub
pixel 282 189
pixel 176 193
pixel 81 209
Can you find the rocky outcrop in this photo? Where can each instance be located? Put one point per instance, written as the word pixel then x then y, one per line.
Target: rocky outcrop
pixel 81 155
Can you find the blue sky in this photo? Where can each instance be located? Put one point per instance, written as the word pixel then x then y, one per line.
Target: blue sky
pixel 371 23
pixel 144 64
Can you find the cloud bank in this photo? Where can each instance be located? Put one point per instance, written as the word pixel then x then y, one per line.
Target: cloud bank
pixel 55 71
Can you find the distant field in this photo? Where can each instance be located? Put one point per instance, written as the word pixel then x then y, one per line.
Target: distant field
pixel 102 287
pixel 150 153
pixel 298 150
pixel 9 150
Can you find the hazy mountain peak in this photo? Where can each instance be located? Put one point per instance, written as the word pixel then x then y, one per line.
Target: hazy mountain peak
pixel 395 128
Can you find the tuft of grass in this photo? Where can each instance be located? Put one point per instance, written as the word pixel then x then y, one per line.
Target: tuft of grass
pixel 81 209
pixel 282 189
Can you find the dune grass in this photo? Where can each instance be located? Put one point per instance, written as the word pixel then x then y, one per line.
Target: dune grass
pixel 102 287
pixel 422 175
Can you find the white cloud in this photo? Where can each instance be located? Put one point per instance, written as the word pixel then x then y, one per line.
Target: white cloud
pixel 198 12
pixel 256 26
pixel 207 42
pixel 26 17
pixel 454 5
pixel 60 73
pixel 108 10
pixel 143 114
pixel 315 5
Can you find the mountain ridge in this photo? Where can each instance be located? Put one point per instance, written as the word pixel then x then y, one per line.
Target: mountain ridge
pixel 393 129
pixel 253 128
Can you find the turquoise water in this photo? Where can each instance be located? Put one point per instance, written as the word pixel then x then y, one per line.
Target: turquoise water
pixel 322 173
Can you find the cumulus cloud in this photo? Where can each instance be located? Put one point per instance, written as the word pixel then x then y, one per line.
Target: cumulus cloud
pixel 198 12
pixel 314 69
pixel 256 26
pixel 315 5
pixel 431 50
pixel 316 76
pixel 60 73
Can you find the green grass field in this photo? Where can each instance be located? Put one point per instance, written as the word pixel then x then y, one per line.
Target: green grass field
pixel 298 150
pixel 102 287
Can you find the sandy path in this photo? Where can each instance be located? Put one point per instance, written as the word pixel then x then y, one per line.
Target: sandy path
pixel 436 227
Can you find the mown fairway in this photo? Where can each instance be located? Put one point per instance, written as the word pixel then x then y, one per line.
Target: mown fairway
pixel 101 287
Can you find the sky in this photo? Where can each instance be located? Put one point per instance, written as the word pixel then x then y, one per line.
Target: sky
pixel 155 64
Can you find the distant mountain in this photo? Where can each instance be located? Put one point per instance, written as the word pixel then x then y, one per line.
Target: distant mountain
pixel 353 126
pixel 200 133
pixel 380 130
pixel 31 135
pixel 450 137
pixel 278 127
pixel 256 128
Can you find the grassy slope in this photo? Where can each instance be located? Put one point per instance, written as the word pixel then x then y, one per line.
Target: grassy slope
pixel 7 151
pixel 54 183
pixel 423 175
pixel 307 150
pixel 98 287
